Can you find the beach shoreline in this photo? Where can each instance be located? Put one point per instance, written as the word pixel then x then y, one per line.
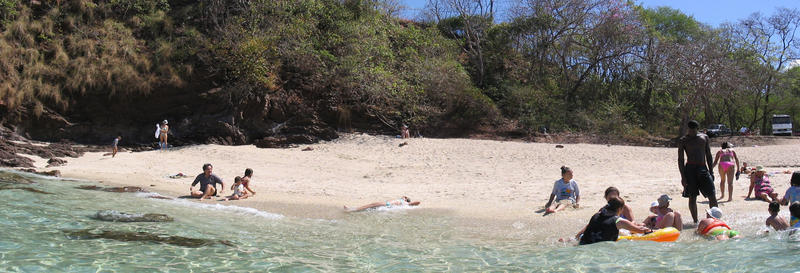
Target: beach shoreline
pixel 478 182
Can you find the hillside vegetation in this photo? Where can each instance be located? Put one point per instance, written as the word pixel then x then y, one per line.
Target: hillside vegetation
pixel 242 71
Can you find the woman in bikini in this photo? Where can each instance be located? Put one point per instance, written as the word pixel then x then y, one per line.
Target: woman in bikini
pixel 162 135
pixel 401 202
pixel 725 158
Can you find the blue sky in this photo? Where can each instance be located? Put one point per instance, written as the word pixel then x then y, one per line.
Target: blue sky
pixel 712 12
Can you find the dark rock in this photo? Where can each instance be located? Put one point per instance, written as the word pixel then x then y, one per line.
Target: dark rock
pixel 271 142
pixel 111 189
pixel 559 146
pixel 55 173
pixel 29 189
pixel 116 216
pixel 131 236
pixel 402 144
pixel 13 178
pixel 301 139
pixel 55 162
pixel 306 149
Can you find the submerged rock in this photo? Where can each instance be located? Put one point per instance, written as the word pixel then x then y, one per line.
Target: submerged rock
pixel 116 216
pixel 111 189
pixel 132 236
pixel 13 178
pixel 8 187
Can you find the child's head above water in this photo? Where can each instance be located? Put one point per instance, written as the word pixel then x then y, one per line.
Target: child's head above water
pixel 794 209
pixel 774 208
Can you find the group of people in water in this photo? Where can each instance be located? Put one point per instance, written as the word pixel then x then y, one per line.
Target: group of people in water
pixel 697 178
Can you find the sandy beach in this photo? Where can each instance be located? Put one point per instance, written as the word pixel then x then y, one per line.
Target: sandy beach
pixel 483 182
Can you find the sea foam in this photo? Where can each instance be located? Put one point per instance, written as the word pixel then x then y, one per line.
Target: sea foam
pixel 214 206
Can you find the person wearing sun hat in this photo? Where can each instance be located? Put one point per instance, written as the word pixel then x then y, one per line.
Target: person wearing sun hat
pixel 714 227
pixel 663 216
pixel 759 181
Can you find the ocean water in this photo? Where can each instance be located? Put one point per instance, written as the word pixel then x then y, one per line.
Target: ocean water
pixel 56 233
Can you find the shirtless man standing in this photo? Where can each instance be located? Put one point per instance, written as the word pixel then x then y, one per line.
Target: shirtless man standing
pixel 697 176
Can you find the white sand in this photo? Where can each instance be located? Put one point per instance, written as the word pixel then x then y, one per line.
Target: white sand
pixel 485 182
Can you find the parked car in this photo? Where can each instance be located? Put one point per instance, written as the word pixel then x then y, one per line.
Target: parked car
pixel 715 130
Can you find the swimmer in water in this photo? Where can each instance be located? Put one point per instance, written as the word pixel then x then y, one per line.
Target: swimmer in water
pixel 713 227
pixel 402 201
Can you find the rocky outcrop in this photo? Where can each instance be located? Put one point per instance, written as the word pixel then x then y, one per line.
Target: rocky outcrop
pixel 197 114
pixel 54 173
pixel 116 216
pixel 55 162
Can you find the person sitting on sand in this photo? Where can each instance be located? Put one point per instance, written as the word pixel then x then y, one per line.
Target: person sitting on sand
pixel 238 190
pixel 725 157
pixel 664 216
pixel 605 225
pixel 774 220
pixel 404 133
pixel 565 192
pixel 401 202
pixel 248 174
pixel 714 227
pixel 208 182
pixel 114 144
pixel 793 192
pixel 760 182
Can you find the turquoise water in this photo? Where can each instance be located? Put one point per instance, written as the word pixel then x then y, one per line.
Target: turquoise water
pixel 35 237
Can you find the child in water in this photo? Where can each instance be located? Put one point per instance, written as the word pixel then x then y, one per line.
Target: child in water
pixel 776 221
pixel 238 190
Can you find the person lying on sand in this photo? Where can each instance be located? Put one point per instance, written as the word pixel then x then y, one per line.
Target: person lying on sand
pixel 238 190
pixel 760 182
pixel 774 220
pixel 605 225
pixel 663 215
pixel 714 227
pixel 403 201
pixel 208 182
pixel 565 192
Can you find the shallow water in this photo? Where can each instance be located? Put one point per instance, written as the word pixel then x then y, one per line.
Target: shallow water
pixel 34 237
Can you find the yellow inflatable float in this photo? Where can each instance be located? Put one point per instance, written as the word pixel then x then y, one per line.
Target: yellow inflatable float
pixel 669 234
